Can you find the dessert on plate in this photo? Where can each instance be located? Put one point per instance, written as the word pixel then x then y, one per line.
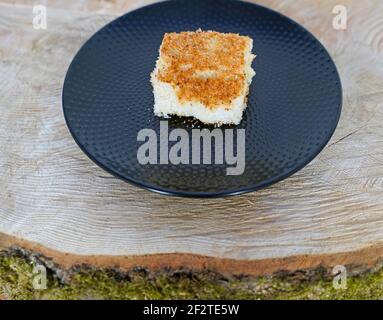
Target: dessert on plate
pixel 203 74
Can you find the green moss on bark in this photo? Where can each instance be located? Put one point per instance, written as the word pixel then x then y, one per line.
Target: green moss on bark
pixel 16 274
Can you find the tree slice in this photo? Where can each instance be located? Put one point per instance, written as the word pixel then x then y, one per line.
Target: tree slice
pixel 54 200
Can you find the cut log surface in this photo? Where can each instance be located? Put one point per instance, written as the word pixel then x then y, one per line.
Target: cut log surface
pixel 56 201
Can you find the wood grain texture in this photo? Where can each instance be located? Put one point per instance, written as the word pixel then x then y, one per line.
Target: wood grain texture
pixel 53 195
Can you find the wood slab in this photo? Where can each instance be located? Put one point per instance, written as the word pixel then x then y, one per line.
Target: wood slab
pixel 55 201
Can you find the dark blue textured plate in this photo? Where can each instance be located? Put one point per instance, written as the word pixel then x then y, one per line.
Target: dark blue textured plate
pixel 293 109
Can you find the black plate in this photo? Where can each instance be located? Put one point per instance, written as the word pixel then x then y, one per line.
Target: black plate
pixel 294 102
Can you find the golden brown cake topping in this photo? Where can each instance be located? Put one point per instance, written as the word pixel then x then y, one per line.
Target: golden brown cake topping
pixel 204 66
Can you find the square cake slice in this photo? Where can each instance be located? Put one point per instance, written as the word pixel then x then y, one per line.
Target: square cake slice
pixel 205 75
